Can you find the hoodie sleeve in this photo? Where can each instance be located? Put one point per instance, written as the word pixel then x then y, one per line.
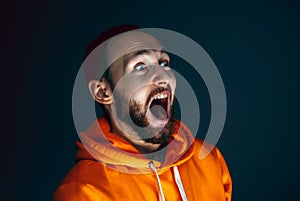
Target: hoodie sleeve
pixel 76 191
pixel 226 179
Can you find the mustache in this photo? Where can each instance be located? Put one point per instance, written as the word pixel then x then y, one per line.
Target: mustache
pixel 157 90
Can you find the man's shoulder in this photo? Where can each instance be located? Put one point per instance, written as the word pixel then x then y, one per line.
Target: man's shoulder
pixel 79 183
pixel 199 143
pixel 83 172
pixel 206 158
pixel 203 149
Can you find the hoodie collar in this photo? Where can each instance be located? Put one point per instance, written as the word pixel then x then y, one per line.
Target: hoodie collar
pixel 99 143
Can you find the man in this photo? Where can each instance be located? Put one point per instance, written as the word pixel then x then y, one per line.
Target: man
pixel 138 150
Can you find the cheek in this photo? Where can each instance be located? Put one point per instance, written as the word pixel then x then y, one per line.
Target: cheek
pixel 126 96
pixel 134 88
pixel 172 81
pixel 140 97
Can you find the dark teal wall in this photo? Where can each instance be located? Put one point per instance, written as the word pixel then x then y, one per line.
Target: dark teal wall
pixel 255 45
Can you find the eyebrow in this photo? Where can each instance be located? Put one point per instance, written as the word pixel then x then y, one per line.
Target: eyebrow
pixel 141 52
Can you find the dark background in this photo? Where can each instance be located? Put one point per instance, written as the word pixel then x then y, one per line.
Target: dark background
pixel 255 45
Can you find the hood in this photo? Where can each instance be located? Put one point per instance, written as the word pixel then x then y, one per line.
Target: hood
pixel 99 143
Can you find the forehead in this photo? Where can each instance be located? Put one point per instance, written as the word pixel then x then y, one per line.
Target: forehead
pixel 130 44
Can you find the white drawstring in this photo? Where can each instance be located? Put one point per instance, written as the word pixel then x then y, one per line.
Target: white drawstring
pixel 161 193
pixel 179 183
pixel 177 180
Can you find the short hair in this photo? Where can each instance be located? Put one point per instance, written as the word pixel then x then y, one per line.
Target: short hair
pixel 109 33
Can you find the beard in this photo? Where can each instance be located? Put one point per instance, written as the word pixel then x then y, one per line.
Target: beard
pixel 137 114
pixel 138 120
pixel 162 136
pixel 165 135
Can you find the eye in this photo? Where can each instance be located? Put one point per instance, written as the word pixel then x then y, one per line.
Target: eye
pixel 139 66
pixel 164 63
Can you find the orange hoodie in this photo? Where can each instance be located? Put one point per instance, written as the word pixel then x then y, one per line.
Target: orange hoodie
pixel 113 169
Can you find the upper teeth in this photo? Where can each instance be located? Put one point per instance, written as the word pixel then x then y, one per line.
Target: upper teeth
pixel 160 96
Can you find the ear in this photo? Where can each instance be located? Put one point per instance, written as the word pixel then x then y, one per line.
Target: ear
pixel 101 91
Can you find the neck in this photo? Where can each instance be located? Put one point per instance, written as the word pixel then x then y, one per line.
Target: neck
pixel 146 148
pixel 139 144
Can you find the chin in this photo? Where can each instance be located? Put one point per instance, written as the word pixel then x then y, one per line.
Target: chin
pixel 164 136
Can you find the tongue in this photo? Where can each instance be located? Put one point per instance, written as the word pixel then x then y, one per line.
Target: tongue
pixel 159 112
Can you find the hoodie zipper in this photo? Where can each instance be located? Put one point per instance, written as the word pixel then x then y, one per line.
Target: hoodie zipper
pixel 177 180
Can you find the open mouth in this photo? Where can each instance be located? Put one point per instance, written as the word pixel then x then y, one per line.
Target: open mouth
pixel 159 107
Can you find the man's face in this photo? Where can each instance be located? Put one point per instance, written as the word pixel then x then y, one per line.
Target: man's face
pixel 142 88
pixel 143 95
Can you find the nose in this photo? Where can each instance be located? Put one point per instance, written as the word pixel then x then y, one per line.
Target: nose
pixel 161 77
